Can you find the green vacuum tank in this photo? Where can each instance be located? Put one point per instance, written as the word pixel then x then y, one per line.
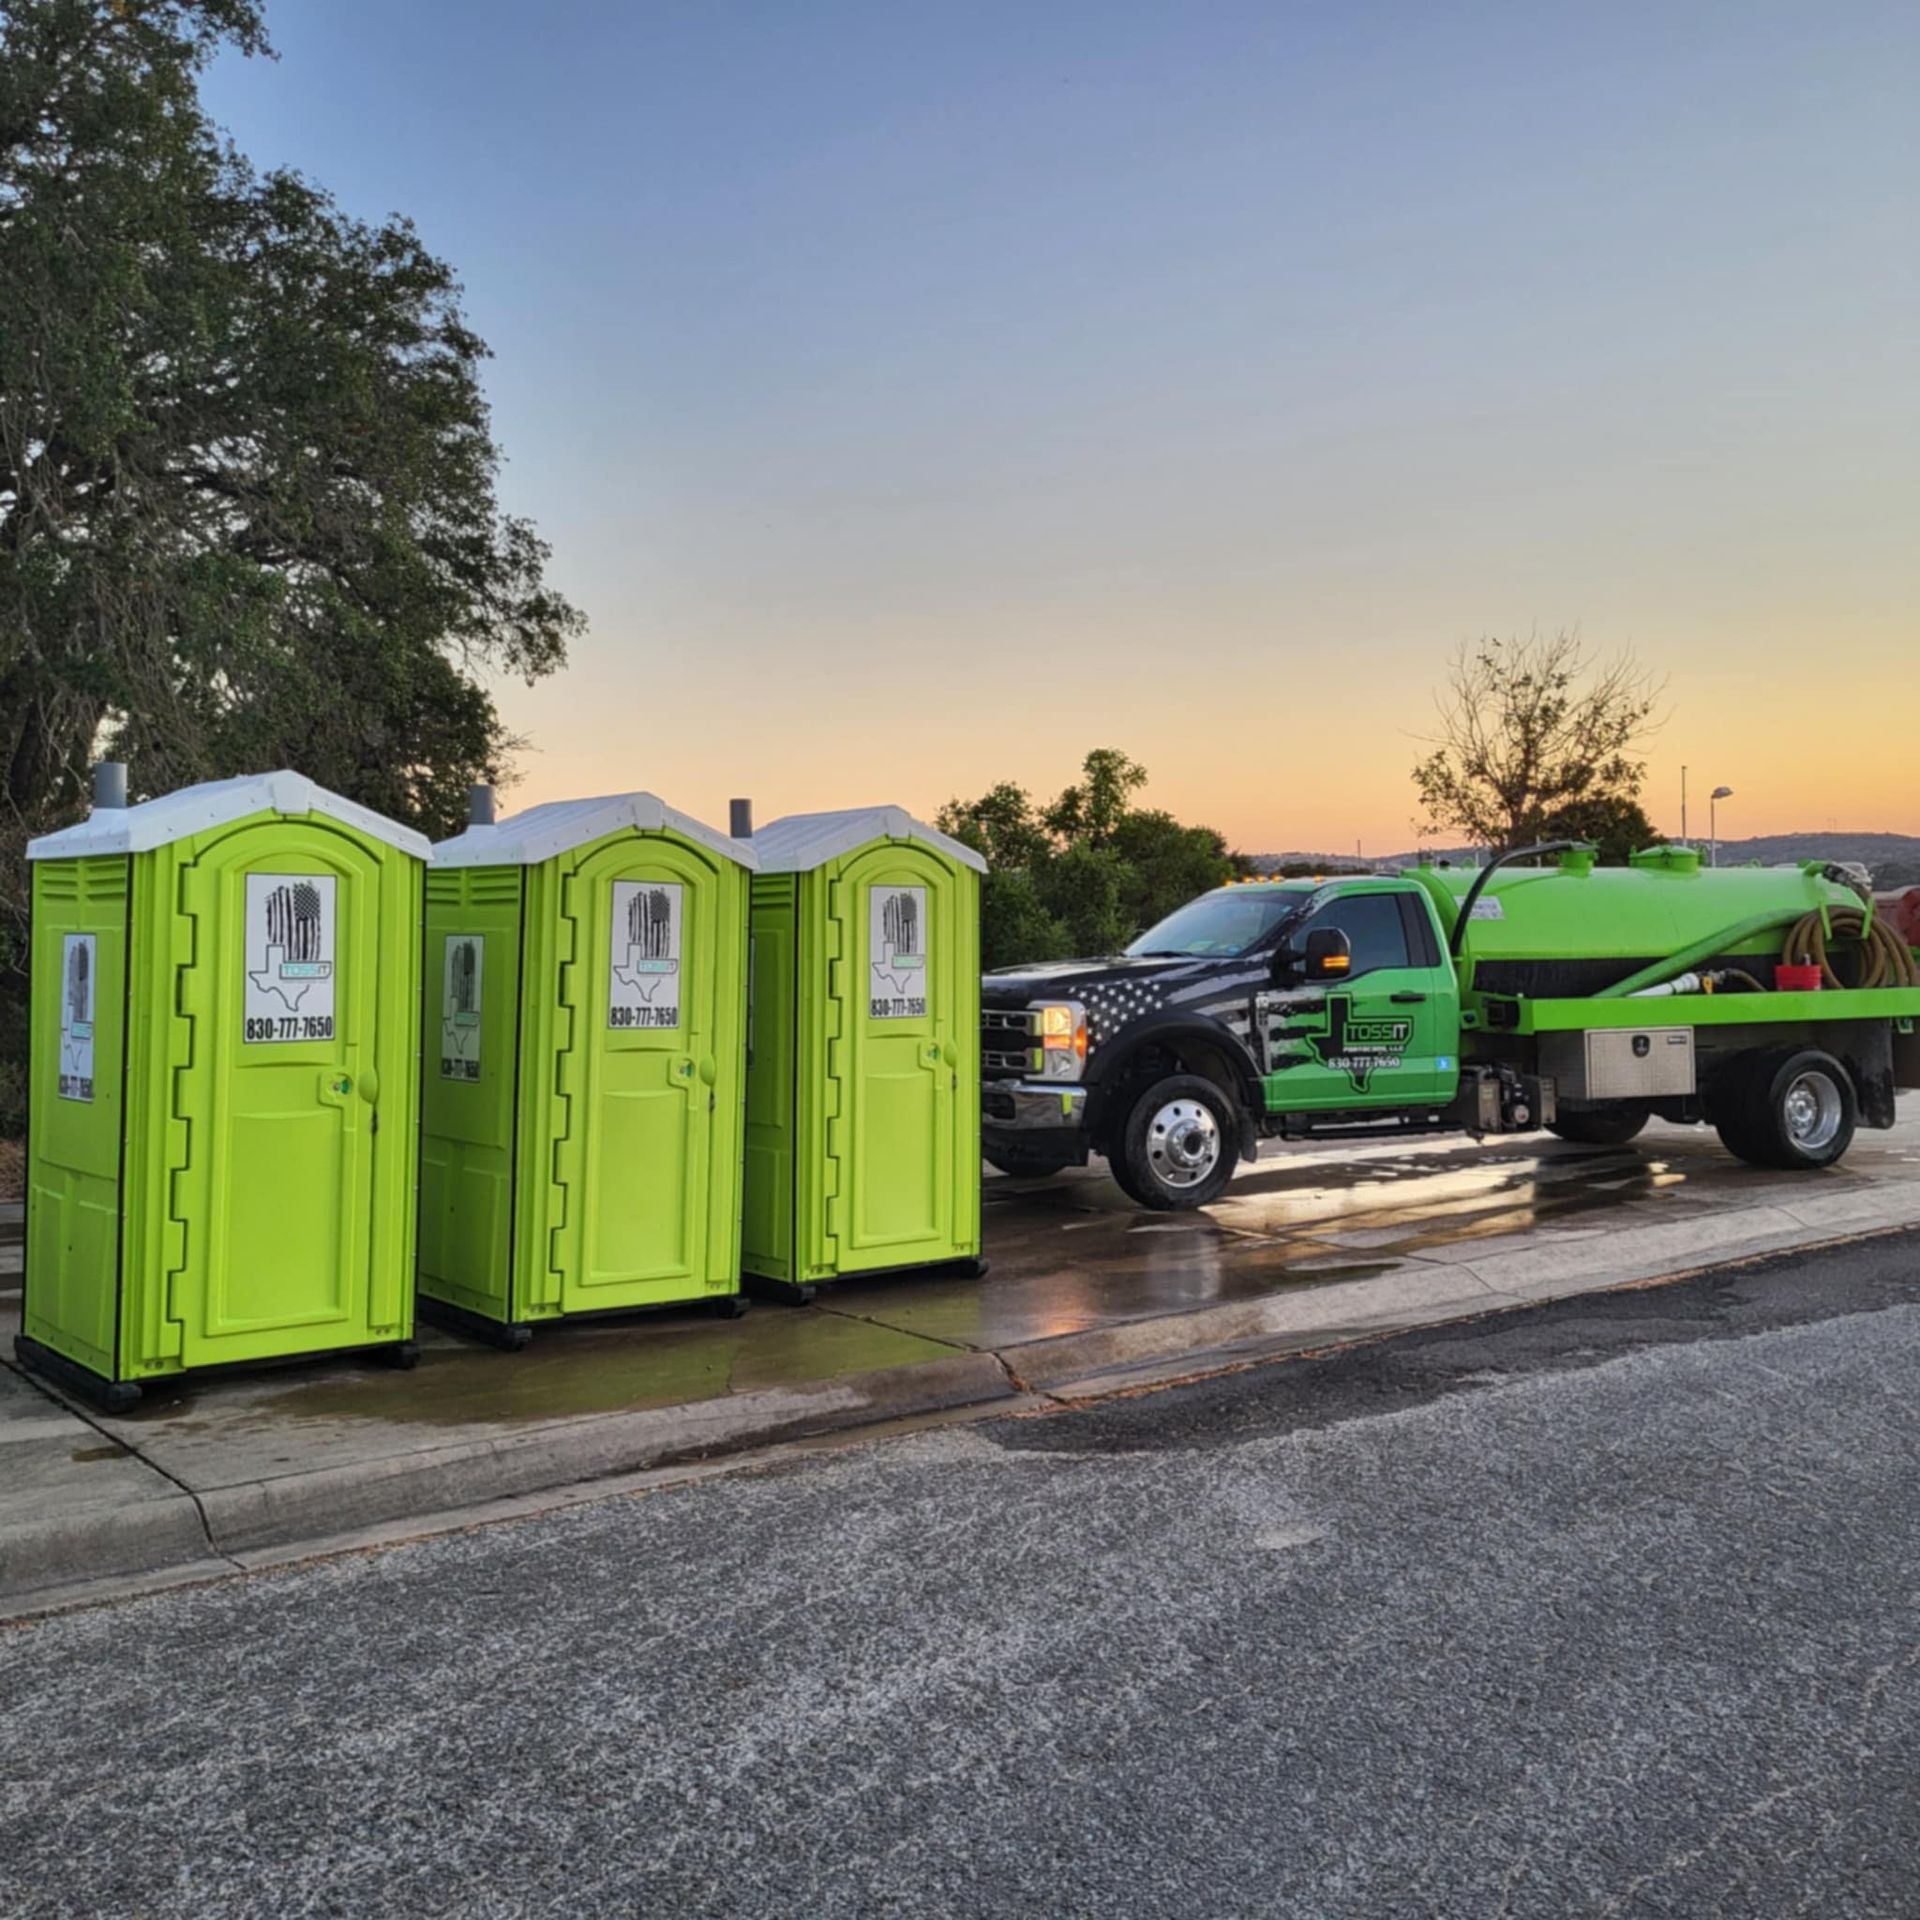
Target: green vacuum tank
pixel 1575 928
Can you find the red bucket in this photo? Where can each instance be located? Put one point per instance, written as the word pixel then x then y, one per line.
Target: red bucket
pixel 1797 979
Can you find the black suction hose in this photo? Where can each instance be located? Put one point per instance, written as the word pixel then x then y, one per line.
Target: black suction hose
pixel 1487 872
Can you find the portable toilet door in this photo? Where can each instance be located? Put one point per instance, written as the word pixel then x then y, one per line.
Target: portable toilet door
pixel 244 953
pixel 863 1115
pixel 582 1154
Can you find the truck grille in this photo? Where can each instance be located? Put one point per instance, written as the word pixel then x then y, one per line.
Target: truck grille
pixel 1007 1043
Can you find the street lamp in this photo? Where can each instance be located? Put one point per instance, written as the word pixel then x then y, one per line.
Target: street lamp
pixel 1713 822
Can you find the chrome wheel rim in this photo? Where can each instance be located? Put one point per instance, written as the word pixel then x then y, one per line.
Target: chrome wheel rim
pixel 1813 1111
pixel 1183 1143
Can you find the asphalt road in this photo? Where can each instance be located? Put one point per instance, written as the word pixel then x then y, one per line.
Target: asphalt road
pixel 1604 1609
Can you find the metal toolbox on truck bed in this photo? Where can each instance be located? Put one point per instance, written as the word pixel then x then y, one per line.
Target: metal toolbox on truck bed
pixel 1620 1063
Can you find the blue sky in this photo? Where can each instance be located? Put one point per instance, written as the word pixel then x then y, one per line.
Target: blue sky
pixel 918 395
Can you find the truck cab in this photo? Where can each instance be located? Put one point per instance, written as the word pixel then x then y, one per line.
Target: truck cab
pixel 1489 1000
pixel 1286 1008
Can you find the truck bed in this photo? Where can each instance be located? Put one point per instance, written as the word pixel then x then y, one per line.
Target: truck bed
pixel 1497 1013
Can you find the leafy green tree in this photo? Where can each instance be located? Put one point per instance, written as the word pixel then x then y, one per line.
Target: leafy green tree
pixel 1616 823
pixel 1001 824
pixel 1087 872
pixel 1016 925
pixel 247 478
pixel 1086 886
pixel 1090 812
pixel 1167 863
pixel 1528 729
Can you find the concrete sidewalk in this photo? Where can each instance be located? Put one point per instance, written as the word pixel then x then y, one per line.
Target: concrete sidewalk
pixel 1088 1297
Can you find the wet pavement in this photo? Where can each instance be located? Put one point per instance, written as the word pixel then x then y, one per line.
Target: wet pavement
pixel 1308 1214
pixel 1067 1255
pixel 1070 1256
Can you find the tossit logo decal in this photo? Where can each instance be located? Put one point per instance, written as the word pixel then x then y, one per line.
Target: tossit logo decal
pixel 80 977
pixel 643 970
pixel 462 984
pixel 289 936
pixel 897 953
pixel 1359 1048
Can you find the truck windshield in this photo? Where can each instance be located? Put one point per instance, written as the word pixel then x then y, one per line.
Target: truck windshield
pixel 1234 920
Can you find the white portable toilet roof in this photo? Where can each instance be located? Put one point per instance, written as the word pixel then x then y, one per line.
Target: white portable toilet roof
pixel 541 833
pixel 803 841
pixel 217 803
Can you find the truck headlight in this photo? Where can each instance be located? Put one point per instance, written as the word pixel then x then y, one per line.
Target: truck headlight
pixel 1062 1026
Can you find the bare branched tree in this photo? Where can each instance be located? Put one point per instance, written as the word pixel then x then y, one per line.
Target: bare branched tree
pixel 1530 729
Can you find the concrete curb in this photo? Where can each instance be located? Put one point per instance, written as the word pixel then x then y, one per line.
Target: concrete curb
pixel 340 1500
pixel 111 1543
pixel 1409 1295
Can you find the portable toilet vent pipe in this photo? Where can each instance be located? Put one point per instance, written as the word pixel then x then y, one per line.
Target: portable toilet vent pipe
pixel 585 1019
pixel 224 1093
pixel 863 1079
pixel 110 786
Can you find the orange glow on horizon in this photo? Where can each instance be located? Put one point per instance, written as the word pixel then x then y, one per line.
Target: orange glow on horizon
pixel 1806 738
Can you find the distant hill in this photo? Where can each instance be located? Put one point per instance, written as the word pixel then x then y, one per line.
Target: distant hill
pixel 1893 858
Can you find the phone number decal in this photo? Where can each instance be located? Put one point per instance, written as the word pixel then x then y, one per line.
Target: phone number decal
pixel 292 1027
pixel 643 1016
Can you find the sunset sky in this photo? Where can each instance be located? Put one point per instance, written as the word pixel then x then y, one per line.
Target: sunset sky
pixel 918 395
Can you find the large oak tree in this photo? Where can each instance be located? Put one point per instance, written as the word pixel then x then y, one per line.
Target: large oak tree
pixel 247 478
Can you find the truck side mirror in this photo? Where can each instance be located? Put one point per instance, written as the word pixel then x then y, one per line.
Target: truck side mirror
pixel 1329 954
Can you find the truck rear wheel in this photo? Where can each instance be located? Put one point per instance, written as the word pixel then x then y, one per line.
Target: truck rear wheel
pixel 1787 1110
pixel 1178 1145
pixel 1600 1126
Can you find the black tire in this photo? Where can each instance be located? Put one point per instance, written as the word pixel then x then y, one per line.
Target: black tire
pixel 1157 1163
pixel 1789 1111
pixel 1600 1126
pixel 1024 1166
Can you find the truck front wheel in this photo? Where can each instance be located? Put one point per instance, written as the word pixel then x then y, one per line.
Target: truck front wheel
pixel 1787 1110
pixel 1600 1126
pixel 1178 1145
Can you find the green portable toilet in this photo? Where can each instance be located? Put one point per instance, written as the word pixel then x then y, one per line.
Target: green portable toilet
pixel 225 1084
pixel 863 1083
pixel 585 1028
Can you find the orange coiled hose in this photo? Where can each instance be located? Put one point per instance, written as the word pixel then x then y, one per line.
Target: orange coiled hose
pixel 1874 952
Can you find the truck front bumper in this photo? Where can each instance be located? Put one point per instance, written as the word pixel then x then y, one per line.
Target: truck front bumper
pixel 1028 1106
